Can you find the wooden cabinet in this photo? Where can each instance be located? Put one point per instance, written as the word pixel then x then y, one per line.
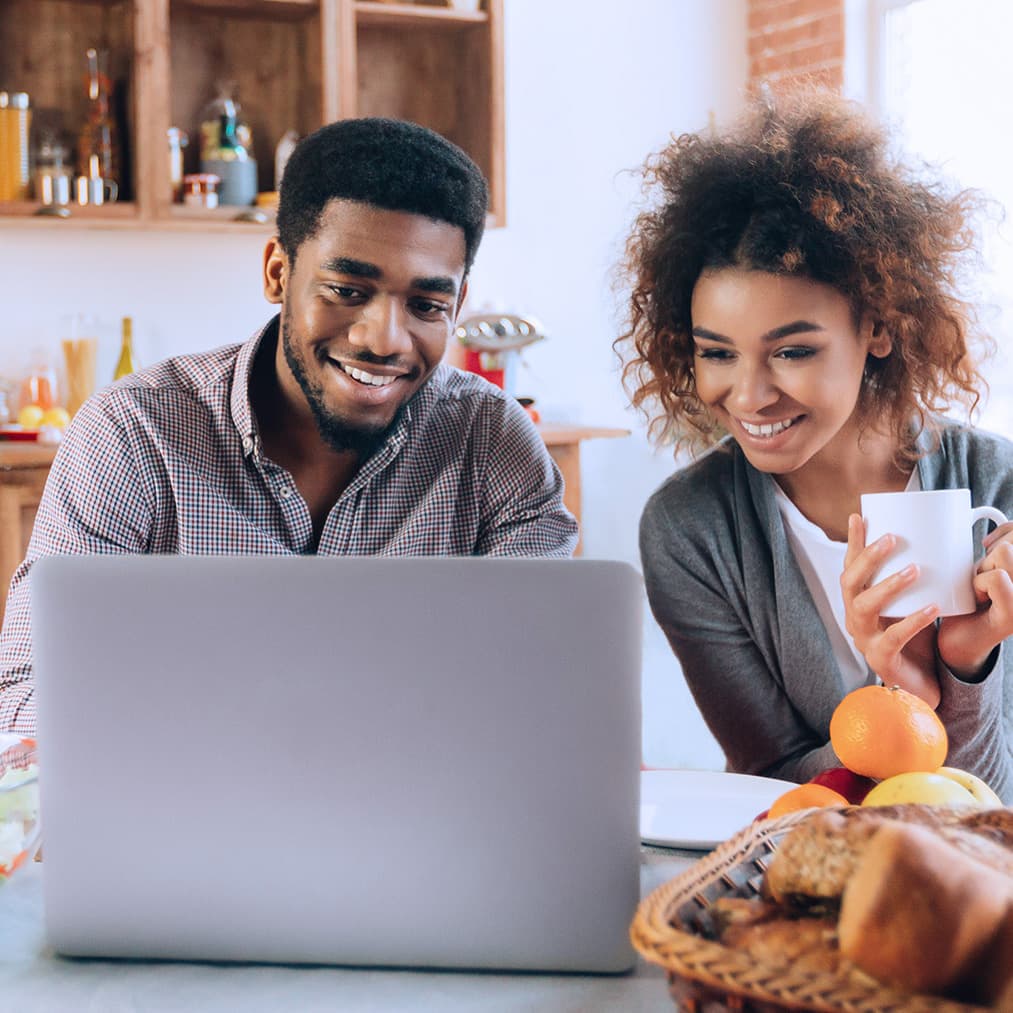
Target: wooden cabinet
pixel 296 64
pixel 23 472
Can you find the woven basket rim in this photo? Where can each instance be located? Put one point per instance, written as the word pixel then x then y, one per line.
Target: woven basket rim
pixel 689 956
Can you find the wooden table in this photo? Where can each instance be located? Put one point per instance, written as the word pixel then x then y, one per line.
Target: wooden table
pixel 25 466
pixel 563 441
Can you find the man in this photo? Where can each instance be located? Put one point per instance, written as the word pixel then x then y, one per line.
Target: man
pixel 336 429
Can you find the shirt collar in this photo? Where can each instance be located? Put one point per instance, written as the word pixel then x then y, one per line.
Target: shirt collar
pixel 242 411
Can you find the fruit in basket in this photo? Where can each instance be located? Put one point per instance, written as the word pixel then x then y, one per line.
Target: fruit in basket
pixel 854 787
pixel 805 796
pixel 922 787
pixel 879 732
pixel 982 793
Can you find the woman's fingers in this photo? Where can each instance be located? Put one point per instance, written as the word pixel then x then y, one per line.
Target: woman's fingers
pixel 997 586
pixel 1003 531
pixel 856 539
pixel 861 562
pixel 998 557
pixel 868 605
pixel 899 634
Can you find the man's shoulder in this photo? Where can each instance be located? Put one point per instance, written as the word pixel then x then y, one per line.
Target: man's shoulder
pixel 454 396
pixel 193 382
pixel 189 373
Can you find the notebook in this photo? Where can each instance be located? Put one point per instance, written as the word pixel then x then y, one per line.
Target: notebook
pixel 357 761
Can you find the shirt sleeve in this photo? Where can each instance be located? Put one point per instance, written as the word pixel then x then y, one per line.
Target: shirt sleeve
pixel 737 690
pixel 975 718
pixel 95 501
pixel 522 504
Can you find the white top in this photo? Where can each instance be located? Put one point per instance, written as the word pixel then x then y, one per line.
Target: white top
pixel 821 561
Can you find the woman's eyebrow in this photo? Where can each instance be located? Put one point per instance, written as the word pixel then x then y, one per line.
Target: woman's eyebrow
pixel 784 331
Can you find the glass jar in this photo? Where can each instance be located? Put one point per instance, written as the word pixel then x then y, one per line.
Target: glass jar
pixel 200 190
pixel 226 148
pixel 15 121
pixel 98 146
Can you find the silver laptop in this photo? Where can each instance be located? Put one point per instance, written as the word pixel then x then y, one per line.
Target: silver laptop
pixel 361 761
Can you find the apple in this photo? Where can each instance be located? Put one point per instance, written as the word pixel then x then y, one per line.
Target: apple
pixel 854 787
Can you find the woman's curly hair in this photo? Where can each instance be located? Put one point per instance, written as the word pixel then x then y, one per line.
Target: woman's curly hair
pixel 802 186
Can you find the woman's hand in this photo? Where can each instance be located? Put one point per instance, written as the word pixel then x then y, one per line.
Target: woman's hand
pixel 965 642
pixel 902 652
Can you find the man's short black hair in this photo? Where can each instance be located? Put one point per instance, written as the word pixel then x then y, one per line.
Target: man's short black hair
pixel 388 163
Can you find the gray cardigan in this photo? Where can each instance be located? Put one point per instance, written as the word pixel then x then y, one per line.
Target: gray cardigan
pixel 725 587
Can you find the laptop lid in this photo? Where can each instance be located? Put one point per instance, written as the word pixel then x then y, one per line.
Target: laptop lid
pixel 366 761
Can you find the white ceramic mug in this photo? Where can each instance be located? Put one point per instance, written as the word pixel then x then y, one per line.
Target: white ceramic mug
pixel 933 531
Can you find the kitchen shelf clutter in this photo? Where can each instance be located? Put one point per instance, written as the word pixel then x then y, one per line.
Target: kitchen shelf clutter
pixel 176 114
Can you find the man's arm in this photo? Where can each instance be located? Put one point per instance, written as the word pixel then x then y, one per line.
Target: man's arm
pixel 522 505
pixel 95 501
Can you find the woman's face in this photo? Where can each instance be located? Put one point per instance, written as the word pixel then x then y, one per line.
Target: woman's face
pixel 779 362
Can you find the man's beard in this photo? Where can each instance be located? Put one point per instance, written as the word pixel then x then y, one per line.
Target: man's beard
pixel 337 432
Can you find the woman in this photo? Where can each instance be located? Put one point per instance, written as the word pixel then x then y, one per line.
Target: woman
pixel 794 308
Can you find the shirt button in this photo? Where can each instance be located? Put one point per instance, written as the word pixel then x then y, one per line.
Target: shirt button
pixel 284 492
pixel 247 443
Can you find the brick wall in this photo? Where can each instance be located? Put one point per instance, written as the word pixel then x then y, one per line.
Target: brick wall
pixel 792 39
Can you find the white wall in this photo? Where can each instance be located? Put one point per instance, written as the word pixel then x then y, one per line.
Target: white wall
pixel 591 89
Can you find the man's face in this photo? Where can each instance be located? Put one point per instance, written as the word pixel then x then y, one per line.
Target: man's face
pixel 367 309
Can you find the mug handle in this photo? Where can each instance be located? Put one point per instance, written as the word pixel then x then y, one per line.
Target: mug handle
pixel 988 513
pixel 112 190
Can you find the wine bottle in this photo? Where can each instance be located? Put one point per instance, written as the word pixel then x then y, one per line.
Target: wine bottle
pixel 125 365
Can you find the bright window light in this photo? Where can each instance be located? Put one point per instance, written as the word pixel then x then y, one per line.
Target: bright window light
pixel 941 76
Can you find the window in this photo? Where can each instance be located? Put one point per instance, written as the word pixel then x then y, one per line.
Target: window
pixel 939 73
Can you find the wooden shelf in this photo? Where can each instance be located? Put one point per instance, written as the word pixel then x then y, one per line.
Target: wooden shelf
pixel 375 12
pixel 283 9
pixel 297 64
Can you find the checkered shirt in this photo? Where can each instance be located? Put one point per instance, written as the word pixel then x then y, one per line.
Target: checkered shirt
pixel 169 460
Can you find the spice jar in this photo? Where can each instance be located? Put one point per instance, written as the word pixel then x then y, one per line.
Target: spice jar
pixel 200 190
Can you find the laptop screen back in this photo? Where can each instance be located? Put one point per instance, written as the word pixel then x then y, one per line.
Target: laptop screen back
pixel 423 762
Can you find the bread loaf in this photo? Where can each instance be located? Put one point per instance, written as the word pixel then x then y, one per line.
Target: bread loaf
pixel 921 914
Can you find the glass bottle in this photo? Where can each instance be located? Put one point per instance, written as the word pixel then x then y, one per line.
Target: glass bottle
pixel 98 148
pixel 226 148
pixel 126 365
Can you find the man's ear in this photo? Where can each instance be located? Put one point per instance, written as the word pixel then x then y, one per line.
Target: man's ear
pixel 276 270
pixel 880 343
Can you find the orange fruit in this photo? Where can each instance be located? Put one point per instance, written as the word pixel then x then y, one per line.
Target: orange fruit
pixel 805 796
pixel 879 732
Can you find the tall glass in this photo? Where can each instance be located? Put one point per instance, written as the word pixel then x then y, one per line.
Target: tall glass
pixel 79 355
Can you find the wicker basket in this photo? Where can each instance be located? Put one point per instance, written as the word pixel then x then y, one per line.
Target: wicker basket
pixel 669 923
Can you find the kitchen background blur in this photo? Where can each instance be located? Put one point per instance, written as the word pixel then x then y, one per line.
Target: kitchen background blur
pixel 582 94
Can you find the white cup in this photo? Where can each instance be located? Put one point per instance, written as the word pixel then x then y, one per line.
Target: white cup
pixel 933 531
